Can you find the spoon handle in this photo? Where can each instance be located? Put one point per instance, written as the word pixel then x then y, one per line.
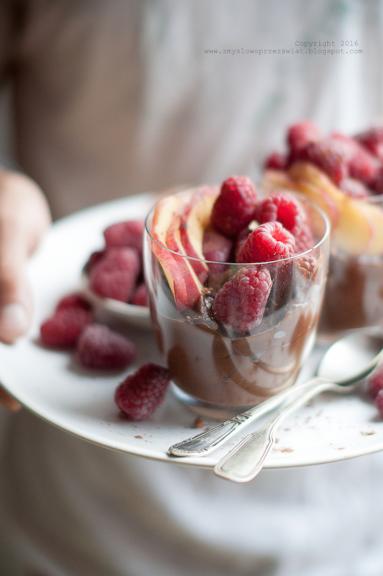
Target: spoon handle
pixel 207 441
pixel 246 460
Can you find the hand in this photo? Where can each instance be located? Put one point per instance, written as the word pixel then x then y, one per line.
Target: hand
pixel 24 217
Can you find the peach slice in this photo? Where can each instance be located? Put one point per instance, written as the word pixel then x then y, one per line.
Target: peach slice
pixel 318 187
pixel 374 214
pixel 310 181
pixel 194 220
pixel 182 280
pixel 353 232
pixel 357 224
pixel 360 229
pixel 277 180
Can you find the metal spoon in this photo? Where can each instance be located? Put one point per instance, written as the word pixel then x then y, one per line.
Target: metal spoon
pixel 348 360
pixel 345 364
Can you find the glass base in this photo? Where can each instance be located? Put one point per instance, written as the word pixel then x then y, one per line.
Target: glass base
pixel 207 409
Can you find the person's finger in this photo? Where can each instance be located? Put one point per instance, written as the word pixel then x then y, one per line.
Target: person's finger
pixel 15 299
pixel 24 217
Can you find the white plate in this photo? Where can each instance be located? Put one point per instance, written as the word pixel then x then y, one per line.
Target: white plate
pixel 47 383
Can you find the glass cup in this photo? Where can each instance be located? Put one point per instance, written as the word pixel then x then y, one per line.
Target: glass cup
pixel 354 292
pixel 219 369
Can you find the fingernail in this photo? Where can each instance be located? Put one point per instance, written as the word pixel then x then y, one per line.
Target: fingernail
pixel 13 321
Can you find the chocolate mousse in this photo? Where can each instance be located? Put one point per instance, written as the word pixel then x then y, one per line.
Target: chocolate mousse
pixel 242 371
pixel 354 293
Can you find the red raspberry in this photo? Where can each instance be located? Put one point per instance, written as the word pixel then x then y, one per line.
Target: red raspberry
pixel 242 237
pixel 125 234
pixel 63 329
pixel 379 402
pixel 270 241
pixel 303 239
pixel 93 259
pixel 328 155
pixel 308 267
pixel 115 275
pixel 142 392
pixel 287 210
pixel 354 188
pixel 234 207
pixel 375 382
pixel 275 161
pixel 140 297
pixel 372 140
pixel 102 349
pixel 377 184
pixel 216 248
pixel 301 134
pixel 284 208
pixel 361 164
pixel 75 300
pixel 240 303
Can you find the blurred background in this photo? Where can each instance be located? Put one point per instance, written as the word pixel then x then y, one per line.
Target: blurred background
pixel 105 99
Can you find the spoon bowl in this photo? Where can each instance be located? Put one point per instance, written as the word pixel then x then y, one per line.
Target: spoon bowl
pixel 352 357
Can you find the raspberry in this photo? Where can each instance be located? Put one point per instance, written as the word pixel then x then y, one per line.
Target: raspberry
pixel 284 208
pixel 270 241
pixel 377 184
pixel 115 275
pixel 234 207
pixel 93 259
pixel 363 167
pixel 125 234
pixel 63 329
pixel 241 239
pixel 216 248
pixel 328 155
pixel 354 188
pixel 140 297
pixel 142 392
pixel 240 303
pixel 361 164
pixel 75 300
pixel 308 267
pixel 275 161
pixel 379 402
pixel 303 238
pixel 375 382
pixel 372 140
pixel 287 210
pixel 301 134
pixel 102 349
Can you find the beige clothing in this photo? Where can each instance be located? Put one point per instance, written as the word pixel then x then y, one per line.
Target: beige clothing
pixel 117 97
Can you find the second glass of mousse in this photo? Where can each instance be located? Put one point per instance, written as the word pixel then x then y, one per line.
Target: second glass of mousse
pixel 236 283
pixel 344 175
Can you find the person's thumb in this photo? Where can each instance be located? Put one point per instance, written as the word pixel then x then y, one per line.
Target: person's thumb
pixel 15 296
pixel 24 217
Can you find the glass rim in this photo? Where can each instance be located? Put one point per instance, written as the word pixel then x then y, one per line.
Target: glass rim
pixel 324 237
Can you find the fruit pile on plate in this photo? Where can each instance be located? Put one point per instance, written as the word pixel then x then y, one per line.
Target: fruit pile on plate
pixel 72 327
pixel 343 175
pixel 226 249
